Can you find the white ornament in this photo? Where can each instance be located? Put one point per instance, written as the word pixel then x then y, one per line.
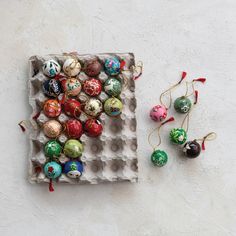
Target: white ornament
pixel 71 67
pixel 51 68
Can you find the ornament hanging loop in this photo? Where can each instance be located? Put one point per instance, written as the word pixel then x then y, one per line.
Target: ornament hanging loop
pixel 209 137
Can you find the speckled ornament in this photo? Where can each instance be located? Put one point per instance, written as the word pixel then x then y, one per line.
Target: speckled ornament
pixel 93 127
pixel 182 104
pixel 112 87
pixel 178 136
pixel 93 107
pixel 192 149
pixel 112 66
pixel 73 148
pixel 51 68
pixel 71 67
pixel 52 108
pixel 72 86
pixel 52 128
pixel 113 106
pixel 72 107
pixel 52 149
pixel 92 68
pixel 73 169
pixel 159 158
pixel 52 170
pixel 92 87
pixel 51 87
pixel 158 113
pixel 74 128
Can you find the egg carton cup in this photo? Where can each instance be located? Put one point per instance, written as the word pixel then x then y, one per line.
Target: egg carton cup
pixel 111 157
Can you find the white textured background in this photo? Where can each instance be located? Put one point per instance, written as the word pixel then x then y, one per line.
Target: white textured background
pixel 186 197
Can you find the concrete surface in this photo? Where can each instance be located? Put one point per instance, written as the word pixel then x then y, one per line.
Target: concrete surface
pixel 186 197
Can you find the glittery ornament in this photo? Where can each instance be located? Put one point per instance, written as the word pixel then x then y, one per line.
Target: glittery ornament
pixel 52 149
pixel 51 87
pixel 92 87
pixel 93 127
pixel 93 107
pixel 51 68
pixel 71 67
pixel 52 128
pixel 159 158
pixel 52 108
pixel 112 66
pixel 52 170
pixel 74 128
pixel 72 86
pixel 73 169
pixel 72 107
pixel 113 106
pixel 182 104
pixel 112 87
pixel 92 68
pixel 192 149
pixel 158 113
pixel 178 136
pixel 73 148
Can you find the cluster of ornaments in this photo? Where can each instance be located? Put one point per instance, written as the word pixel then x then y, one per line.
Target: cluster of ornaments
pixel 62 88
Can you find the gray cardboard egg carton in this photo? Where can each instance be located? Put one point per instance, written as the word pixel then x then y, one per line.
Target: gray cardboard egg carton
pixel 111 157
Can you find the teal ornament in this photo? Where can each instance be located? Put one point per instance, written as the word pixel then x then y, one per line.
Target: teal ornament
pixel 159 158
pixel 52 170
pixel 112 87
pixel 178 136
pixel 182 104
pixel 112 66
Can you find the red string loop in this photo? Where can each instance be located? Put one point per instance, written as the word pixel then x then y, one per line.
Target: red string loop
pixel 202 80
pixel 51 189
pixel 203 145
pixel 21 126
pixel 183 76
pixel 167 121
pixel 196 97
pixel 36 116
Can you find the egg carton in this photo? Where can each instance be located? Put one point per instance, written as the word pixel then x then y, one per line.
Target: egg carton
pixel 111 157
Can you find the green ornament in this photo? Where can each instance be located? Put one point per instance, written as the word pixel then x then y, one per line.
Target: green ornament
pixel 112 87
pixel 52 149
pixel 113 106
pixel 178 136
pixel 182 104
pixel 73 148
pixel 159 158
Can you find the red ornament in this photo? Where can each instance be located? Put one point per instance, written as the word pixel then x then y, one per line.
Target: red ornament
pixel 74 128
pixel 92 87
pixel 93 127
pixel 52 108
pixel 72 107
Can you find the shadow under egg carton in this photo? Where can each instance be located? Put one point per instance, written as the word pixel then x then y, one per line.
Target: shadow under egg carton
pixel 110 157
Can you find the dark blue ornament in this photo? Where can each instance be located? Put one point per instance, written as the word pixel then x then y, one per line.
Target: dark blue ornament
pixel 73 169
pixel 51 87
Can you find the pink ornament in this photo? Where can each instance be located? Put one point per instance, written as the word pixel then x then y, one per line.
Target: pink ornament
pixel 158 113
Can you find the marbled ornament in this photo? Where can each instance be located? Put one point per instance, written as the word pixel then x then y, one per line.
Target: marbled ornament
pixel 73 148
pixel 112 87
pixel 72 86
pixel 93 127
pixel 158 113
pixel 182 104
pixel 52 149
pixel 72 107
pixel 159 158
pixel 74 128
pixel 73 169
pixel 51 87
pixel 71 67
pixel 92 68
pixel 192 149
pixel 52 170
pixel 52 108
pixel 51 68
pixel 112 66
pixel 93 107
pixel 52 128
pixel 178 136
pixel 92 87
pixel 113 106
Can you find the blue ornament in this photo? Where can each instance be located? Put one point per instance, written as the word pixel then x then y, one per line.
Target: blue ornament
pixel 52 170
pixel 73 169
pixel 51 87
pixel 112 66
